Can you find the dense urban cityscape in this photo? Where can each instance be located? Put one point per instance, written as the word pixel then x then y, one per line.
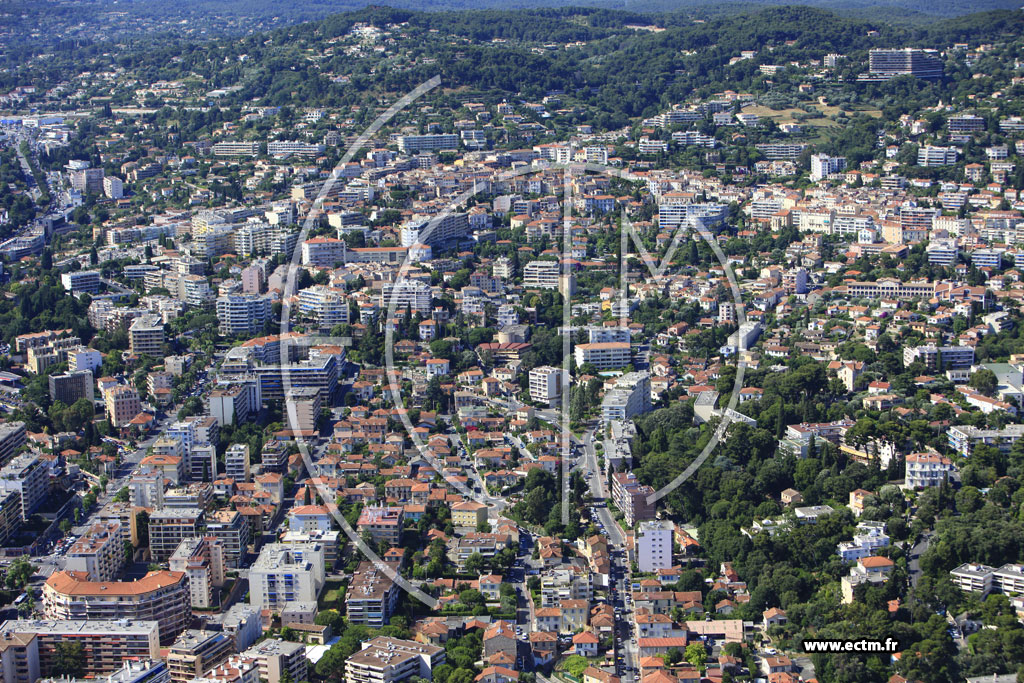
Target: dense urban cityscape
pixel 543 346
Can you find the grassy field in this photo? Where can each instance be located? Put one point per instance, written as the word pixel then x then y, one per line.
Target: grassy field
pixel 790 115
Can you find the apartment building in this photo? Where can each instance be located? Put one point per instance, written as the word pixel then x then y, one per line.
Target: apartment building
pixel 236 462
pixel 542 275
pixel 886 63
pixel 302 409
pixel 383 524
pixel 81 282
pixel 927 469
pixel 236 404
pixel 106 644
pixel 195 652
pixel 146 336
pixel 547 384
pixel 560 584
pixel 412 144
pixel 231 528
pixel 10 515
pixel 980 578
pixel 68 387
pixel 286 573
pixel 323 252
pixel 319 370
pixel 654 545
pixel 435 231
pixel 202 560
pixel 123 404
pixel 630 496
pixel 604 355
pixel 940 357
pixel 276 658
pixel 823 165
pixel 630 396
pixel 933 155
pixel 19 656
pixel 390 660
pixel 12 437
pixel 29 477
pixel 229 148
pixel 160 596
pixel 294 148
pixel 417 296
pixel 963 438
pixel 99 553
pixel 243 314
pixel 168 527
pixel 372 596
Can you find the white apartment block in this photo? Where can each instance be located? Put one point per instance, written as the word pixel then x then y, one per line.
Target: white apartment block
pixel 411 144
pixel 868 537
pixel 927 469
pixel 631 396
pixel 286 573
pixel 654 545
pixel 542 274
pixel 980 578
pixel 604 355
pixel 599 334
pixel 547 384
pixel 390 660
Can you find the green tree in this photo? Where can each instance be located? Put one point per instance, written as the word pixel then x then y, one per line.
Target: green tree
pixel 68 660
pixel 696 655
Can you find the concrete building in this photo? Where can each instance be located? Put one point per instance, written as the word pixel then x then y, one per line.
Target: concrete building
pixel 202 560
pixel 411 144
pixel 195 652
pixel 382 524
pixel 654 545
pixel 12 437
pixel 286 573
pixel 99 553
pixel 940 357
pixel 886 63
pixel 372 596
pixel 631 396
pixel 169 527
pixel 390 660
pixel 236 462
pixel 29 477
pixel 604 356
pixel 236 404
pixel 276 657
pixel 81 282
pixel 231 528
pixel 113 187
pixel 435 231
pixel 146 336
pixel 822 166
pixel 547 384
pixel 123 404
pixel 159 596
pixel 106 645
pixel 71 386
pixel 243 314
pixel 302 409
pixel 630 496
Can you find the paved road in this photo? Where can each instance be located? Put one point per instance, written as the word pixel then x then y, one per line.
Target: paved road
pixel 914 566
